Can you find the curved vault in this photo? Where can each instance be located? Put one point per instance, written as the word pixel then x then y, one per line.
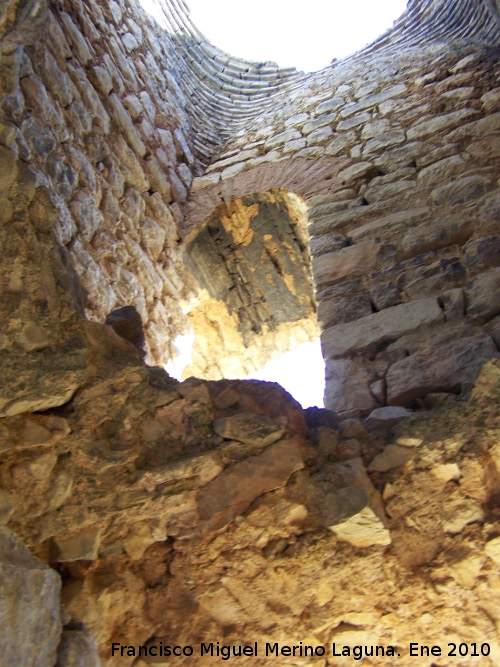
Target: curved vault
pixel 251 261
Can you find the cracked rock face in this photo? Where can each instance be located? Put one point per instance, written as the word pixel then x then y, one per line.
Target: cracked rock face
pixel 146 175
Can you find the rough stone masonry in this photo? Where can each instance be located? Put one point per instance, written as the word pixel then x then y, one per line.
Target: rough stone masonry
pixel 140 166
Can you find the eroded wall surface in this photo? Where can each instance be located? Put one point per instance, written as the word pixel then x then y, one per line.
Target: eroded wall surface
pixel 221 511
pixel 394 151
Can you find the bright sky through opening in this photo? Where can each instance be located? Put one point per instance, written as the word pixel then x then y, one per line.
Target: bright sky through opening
pixel 306 35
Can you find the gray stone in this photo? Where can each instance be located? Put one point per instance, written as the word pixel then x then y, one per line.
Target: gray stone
pixel 482 253
pixel 374 100
pixel 330 105
pixel 453 304
pixel 104 82
pixel 380 328
pixel 86 214
pixel 282 138
pixel 439 123
pixel 484 126
pixel 355 121
pixel 430 236
pixel 320 245
pixel 441 170
pixel 385 295
pixel 434 278
pixel 129 42
pixel 77 649
pixel 317 123
pixel 390 224
pixel 383 192
pixel 446 365
pixel 250 429
pixel 341 144
pixel 462 190
pixel 124 121
pixel 355 171
pixel 30 617
pixel 384 141
pixel 491 100
pixel 386 417
pixel 76 40
pixel 157 177
pixel 482 296
pixel 347 385
pixel 320 135
pixel 347 309
pixel 375 128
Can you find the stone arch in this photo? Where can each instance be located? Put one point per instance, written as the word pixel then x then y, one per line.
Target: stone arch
pixel 251 260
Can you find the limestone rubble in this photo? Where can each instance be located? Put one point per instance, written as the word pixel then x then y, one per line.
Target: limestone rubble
pixel 146 176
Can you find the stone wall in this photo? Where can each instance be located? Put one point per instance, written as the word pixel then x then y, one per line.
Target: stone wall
pixel 394 152
pixel 221 511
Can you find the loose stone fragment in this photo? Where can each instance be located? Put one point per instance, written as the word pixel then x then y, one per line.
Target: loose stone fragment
pixel 392 457
pixel 250 429
pixel 459 513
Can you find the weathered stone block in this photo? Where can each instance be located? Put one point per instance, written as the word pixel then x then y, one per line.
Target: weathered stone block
pixel 482 253
pixel 30 608
pixel 332 312
pixel 374 100
pixel 355 171
pixel 434 278
pixel 385 295
pixel 393 456
pixel 341 144
pixel 430 235
pixel 378 328
pixel 352 260
pixel 384 141
pixel 354 121
pixel 320 245
pixel 451 366
pixel 462 190
pixel 441 171
pixel 391 224
pixel 347 387
pixel 483 296
pixel 232 492
pixel 439 123
pixel 249 428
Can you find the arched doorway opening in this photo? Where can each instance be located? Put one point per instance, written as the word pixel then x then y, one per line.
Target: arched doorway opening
pixel 251 261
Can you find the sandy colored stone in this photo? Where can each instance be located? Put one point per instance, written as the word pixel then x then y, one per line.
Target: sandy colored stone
pixel 459 513
pixel 80 545
pixel 233 490
pixel 447 472
pixel 249 429
pixel 492 550
pixel 392 457
pixel 364 529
